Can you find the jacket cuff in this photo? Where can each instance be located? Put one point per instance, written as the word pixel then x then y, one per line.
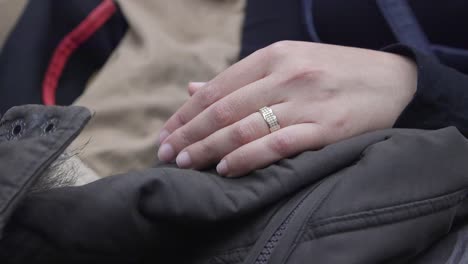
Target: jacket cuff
pixel 441 97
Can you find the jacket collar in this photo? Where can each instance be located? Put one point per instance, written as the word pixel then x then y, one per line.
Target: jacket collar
pixel 31 138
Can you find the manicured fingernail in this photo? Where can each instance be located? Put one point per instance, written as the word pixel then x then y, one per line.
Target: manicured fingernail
pixel 163 135
pixel 183 160
pixel 166 153
pixel 222 168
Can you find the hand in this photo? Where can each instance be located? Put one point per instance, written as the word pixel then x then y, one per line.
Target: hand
pixel 320 94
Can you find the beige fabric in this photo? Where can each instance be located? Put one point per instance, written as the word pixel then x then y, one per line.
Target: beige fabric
pixel 170 42
pixel 10 10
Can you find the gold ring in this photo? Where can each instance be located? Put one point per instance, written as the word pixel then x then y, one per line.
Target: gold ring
pixel 270 118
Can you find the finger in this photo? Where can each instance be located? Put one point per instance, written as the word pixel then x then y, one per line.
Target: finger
pixel 244 72
pixel 225 112
pixel 267 150
pixel 193 87
pixel 213 148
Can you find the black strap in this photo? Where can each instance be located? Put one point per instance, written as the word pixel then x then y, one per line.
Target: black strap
pixel 307 7
pixel 404 25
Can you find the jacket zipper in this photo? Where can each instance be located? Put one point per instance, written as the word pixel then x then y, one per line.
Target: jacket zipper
pixel 271 244
pixel 273 241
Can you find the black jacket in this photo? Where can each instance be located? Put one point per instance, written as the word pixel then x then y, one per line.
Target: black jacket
pixel 395 196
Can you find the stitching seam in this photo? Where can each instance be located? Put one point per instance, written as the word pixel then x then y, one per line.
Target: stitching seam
pixel 383 216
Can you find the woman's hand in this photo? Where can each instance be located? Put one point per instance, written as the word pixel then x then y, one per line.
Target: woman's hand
pixel 320 94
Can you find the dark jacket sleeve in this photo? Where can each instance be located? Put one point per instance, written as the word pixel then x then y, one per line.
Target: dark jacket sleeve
pixel 441 99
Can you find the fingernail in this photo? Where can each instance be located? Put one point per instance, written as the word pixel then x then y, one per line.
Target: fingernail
pixel 222 168
pixel 197 84
pixel 183 160
pixel 166 153
pixel 163 135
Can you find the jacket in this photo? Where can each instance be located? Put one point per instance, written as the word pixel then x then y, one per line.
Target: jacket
pixel 394 196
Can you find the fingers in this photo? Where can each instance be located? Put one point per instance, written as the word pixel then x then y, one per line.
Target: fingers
pixel 225 112
pixel 192 88
pixel 237 76
pixel 284 143
pixel 213 148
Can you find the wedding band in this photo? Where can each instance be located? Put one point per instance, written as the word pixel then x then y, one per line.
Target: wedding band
pixel 270 118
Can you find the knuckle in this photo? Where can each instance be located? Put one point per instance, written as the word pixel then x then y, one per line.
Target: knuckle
pixel 243 133
pixel 182 118
pixel 341 119
pixel 222 113
pixel 276 54
pixel 182 137
pixel 341 127
pixel 206 97
pixel 278 49
pixel 280 46
pixel 282 144
pixel 207 148
pixel 339 123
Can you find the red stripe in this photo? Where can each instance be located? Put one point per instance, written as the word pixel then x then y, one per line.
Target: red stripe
pixel 70 43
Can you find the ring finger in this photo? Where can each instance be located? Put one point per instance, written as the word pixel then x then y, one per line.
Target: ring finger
pixel 223 113
pixel 222 142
